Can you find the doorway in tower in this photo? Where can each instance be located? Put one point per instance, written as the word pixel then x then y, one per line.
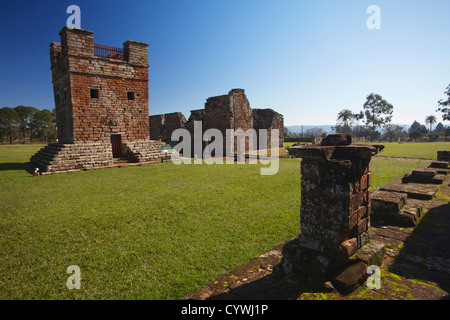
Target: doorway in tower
pixel 116 143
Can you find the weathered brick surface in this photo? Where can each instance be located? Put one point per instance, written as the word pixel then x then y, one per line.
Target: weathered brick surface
pixel 96 97
pixel 443 155
pixel 76 70
pixel 403 200
pixel 335 205
pixel 162 125
pixel 62 157
pixel 229 111
pixel 268 119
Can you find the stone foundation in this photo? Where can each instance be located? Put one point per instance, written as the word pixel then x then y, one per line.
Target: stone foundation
pixel 144 151
pixel 443 155
pixel 403 200
pixel 55 158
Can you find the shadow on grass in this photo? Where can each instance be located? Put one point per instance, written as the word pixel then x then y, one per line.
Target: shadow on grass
pixel 12 166
pixel 425 255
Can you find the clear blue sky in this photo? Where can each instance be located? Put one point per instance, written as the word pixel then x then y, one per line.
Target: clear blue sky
pixel 305 59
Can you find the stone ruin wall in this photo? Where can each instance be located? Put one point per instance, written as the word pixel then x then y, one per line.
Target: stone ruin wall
pixel 230 111
pixel 268 119
pixel 162 125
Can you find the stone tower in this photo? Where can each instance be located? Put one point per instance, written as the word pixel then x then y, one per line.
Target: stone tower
pixel 101 103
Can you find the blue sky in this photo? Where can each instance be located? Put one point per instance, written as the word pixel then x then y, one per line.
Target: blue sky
pixel 305 59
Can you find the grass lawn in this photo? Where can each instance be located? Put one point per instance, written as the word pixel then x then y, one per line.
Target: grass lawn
pixel 152 232
pixel 418 150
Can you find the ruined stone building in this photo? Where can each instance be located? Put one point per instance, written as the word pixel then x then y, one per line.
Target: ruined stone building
pixel 101 103
pixel 229 111
pixel 162 125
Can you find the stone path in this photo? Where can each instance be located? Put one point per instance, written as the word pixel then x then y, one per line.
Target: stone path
pixel 416 265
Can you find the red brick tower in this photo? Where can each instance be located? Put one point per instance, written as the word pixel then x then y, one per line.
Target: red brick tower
pixel 101 102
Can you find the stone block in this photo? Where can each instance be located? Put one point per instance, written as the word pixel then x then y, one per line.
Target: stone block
pixel 349 279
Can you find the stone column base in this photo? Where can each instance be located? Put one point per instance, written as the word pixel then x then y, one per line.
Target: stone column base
pixel 322 265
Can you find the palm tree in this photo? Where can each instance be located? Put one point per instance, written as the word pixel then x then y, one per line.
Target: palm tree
pixel 430 120
pixel 346 116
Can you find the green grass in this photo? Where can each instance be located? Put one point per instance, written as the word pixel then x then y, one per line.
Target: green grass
pixel 384 171
pixel 418 150
pixel 11 153
pixel 153 232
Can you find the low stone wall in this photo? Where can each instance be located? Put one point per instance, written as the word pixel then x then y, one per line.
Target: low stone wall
pixel 443 155
pixel 403 201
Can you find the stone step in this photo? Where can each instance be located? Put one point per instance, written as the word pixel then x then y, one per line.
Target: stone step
pixel 439 164
pixel 385 202
pixel 414 190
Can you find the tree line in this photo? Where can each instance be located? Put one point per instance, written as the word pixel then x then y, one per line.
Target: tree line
pixel 27 124
pixel 374 123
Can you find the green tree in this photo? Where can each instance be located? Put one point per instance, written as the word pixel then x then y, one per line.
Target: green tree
pixel 25 116
pixel 417 131
pixel 285 132
pixel 9 119
pixel 393 132
pixel 444 105
pixel 377 112
pixel 344 120
pixel 43 121
pixel 439 128
pixel 430 120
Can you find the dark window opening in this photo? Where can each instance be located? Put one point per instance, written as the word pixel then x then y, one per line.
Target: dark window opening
pixel 130 95
pixel 94 93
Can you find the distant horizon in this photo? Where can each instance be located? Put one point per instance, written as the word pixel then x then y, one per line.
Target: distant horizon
pixel 297 128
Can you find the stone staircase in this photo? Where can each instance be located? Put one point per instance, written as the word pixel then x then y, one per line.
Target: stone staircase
pixel 72 157
pixel 59 158
pixel 403 201
pixel 143 151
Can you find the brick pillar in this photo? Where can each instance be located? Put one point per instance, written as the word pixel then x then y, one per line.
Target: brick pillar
pixel 136 53
pixel 335 205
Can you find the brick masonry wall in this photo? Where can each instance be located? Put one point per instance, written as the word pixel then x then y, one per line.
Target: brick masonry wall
pixel 335 204
pixel 229 111
pixel 162 125
pixel 268 119
pixel 75 71
pixel 156 124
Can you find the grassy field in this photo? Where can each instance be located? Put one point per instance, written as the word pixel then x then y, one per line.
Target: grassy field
pixel 153 232
pixel 418 150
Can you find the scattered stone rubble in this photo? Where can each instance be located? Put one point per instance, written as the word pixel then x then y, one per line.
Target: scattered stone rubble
pixel 403 200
